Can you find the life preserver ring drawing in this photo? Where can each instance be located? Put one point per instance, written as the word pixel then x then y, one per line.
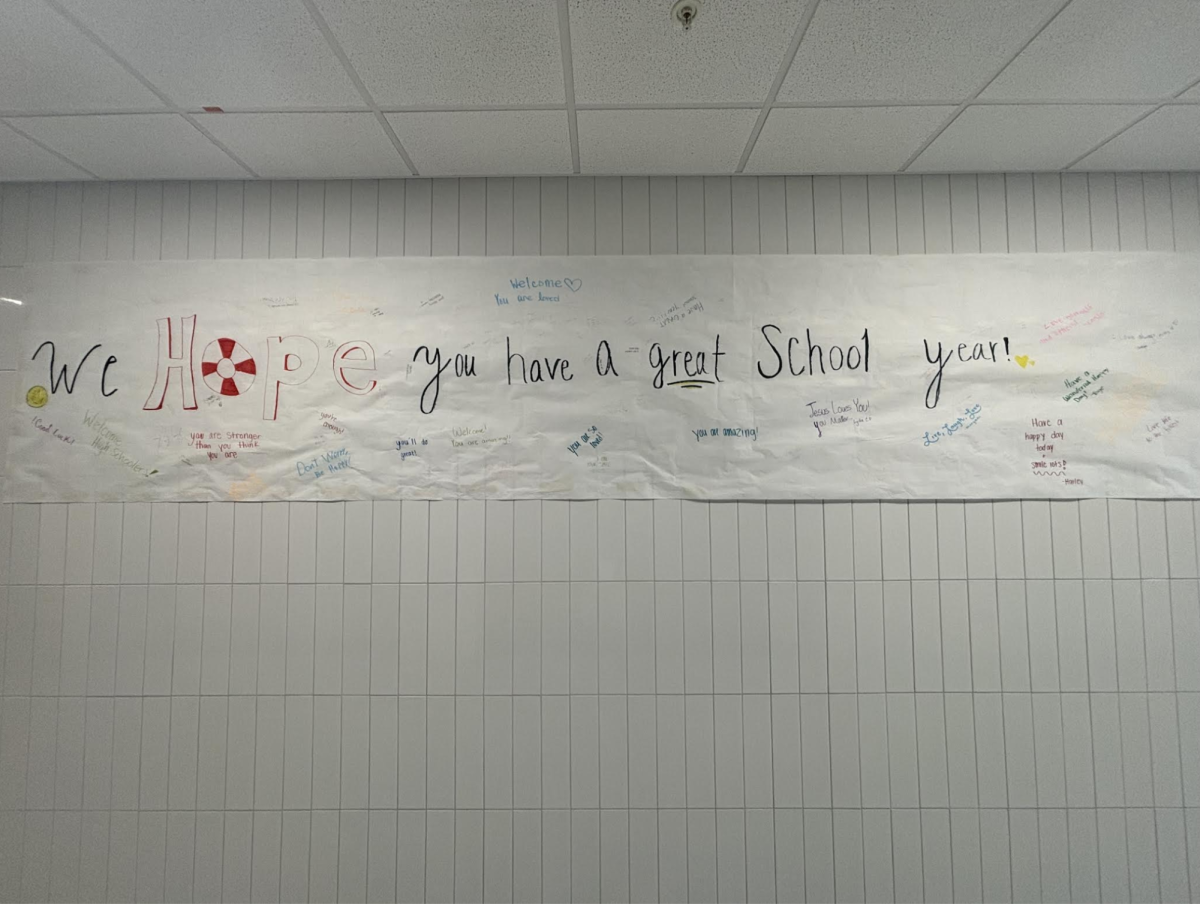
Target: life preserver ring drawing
pixel 227 367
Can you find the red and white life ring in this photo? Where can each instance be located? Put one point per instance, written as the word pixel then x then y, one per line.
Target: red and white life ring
pixel 227 367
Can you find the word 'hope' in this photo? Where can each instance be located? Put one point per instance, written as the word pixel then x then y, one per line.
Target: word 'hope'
pixel 228 369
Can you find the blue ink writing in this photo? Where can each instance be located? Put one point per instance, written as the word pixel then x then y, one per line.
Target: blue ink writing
pixel 968 419
pixel 326 463
pixel 408 446
pixel 590 437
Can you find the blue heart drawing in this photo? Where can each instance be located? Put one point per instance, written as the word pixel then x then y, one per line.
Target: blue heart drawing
pixel 573 284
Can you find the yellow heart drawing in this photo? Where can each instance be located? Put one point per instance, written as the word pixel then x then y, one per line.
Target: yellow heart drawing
pixel 1023 360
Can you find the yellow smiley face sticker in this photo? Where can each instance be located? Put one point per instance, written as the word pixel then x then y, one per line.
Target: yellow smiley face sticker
pixel 37 397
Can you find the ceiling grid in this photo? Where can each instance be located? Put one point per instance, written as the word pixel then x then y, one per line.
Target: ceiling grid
pixel 116 89
pixel 188 116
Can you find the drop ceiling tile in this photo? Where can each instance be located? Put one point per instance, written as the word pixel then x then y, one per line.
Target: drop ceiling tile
pixel 675 142
pixel 48 65
pixel 21 160
pixel 1192 94
pixel 842 139
pixel 1022 138
pixel 1167 139
pixel 936 51
pixel 231 53
pixel 633 52
pixel 486 143
pixel 458 53
pixel 1107 50
pixel 133 146
pixel 308 145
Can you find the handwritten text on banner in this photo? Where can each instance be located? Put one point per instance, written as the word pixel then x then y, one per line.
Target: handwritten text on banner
pixel 965 376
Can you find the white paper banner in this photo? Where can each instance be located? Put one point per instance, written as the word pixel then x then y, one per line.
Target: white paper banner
pixel 701 377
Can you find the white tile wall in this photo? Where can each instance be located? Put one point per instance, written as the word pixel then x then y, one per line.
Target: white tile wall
pixel 599 701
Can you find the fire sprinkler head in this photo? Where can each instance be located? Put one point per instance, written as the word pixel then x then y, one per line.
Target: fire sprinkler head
pixel 685 12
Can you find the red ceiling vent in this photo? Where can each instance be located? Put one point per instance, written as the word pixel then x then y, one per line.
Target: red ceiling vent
pixel 212 109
